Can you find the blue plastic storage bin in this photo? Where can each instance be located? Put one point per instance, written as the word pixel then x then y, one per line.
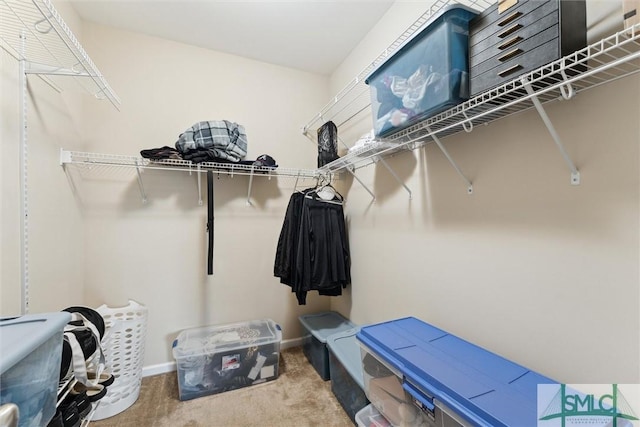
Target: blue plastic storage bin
pixel 30 358
pixel 318 327
pixel 415 371
pixel 427 75
pixel 347 382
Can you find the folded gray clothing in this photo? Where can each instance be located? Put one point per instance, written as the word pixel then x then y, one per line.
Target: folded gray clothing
pixel 222 139
pixel 162 153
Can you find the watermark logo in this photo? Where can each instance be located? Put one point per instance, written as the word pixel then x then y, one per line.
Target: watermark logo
pixel 588 405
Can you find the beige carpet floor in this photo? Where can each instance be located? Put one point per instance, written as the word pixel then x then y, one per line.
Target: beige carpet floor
pixel 299 397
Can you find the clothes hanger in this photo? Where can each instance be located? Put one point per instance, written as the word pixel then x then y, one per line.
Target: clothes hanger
pixel 325 193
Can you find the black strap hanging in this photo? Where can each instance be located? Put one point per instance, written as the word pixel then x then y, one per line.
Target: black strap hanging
pixel 210 221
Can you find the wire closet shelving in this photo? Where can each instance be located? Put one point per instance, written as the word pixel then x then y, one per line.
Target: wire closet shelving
pixel 92 160
pixel 117 160
pixel 34 31
pixel 612 58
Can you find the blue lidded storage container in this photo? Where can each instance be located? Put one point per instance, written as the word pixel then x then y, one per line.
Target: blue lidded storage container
pixel 427 75
pixel 30 359
pixel 318 328
pixel 415 371
pixel 347 382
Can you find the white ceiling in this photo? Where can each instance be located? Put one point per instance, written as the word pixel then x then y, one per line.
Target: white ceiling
pixel 311 35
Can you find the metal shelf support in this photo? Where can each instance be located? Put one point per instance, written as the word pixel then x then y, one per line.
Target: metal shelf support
pixel 350 170
pixel 140 184
pixel 250 185
pixel 199 186
pixel 575 174
pixel 24 193
pixel 453 163
pixel 393 173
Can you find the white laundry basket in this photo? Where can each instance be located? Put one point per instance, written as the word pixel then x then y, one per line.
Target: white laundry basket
pixel 123 345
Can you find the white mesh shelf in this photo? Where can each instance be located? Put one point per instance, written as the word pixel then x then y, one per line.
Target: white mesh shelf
pixel 116 160
pixel 34 31
pixel 607 60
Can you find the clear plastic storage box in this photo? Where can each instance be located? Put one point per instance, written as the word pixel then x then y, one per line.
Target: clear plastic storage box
pixel 427 75
pixel 30 358
pixel 370 417
pixel 347 383
pixel 219 358
pixel 318 327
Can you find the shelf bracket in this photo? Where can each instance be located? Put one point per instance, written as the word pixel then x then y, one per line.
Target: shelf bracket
pixel 295 186
pixel 453 163
pixel 349 169
pixel 467 125
pixel 250 185
pixel 575 174
pixel 566 89
pixel 393 173
pixel 199 184
pixel 65 157
pixel 139 175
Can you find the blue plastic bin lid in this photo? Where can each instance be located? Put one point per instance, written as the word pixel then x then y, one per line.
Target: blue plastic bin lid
pixel 462 11
pixel 20 336
pixel 324 324
pixel 481 386
pixel 346 348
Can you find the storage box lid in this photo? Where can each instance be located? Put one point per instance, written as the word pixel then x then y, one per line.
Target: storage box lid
pixel 219 338
pixel 464 12
pixel 345 347
pixel 20 336
pixel 322 325
pixel 481 386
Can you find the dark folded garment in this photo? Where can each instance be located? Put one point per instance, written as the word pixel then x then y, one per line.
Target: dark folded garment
pixel 162 153
pixel 197 156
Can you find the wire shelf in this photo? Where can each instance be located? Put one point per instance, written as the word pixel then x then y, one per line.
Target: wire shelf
pixel 34 31
pixel 607 60
pixel 354 98
pixel 123 161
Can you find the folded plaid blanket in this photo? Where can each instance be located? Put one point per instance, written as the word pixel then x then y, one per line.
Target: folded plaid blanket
pixel 224 139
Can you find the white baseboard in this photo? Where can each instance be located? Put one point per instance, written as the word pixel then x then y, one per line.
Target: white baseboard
pixel 163 368
pixel 160 368
pixel 294 342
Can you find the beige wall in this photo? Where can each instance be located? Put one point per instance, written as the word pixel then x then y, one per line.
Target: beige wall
pixel 528 266
pixel 156 253
pixel 93 242
pixel 55 223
